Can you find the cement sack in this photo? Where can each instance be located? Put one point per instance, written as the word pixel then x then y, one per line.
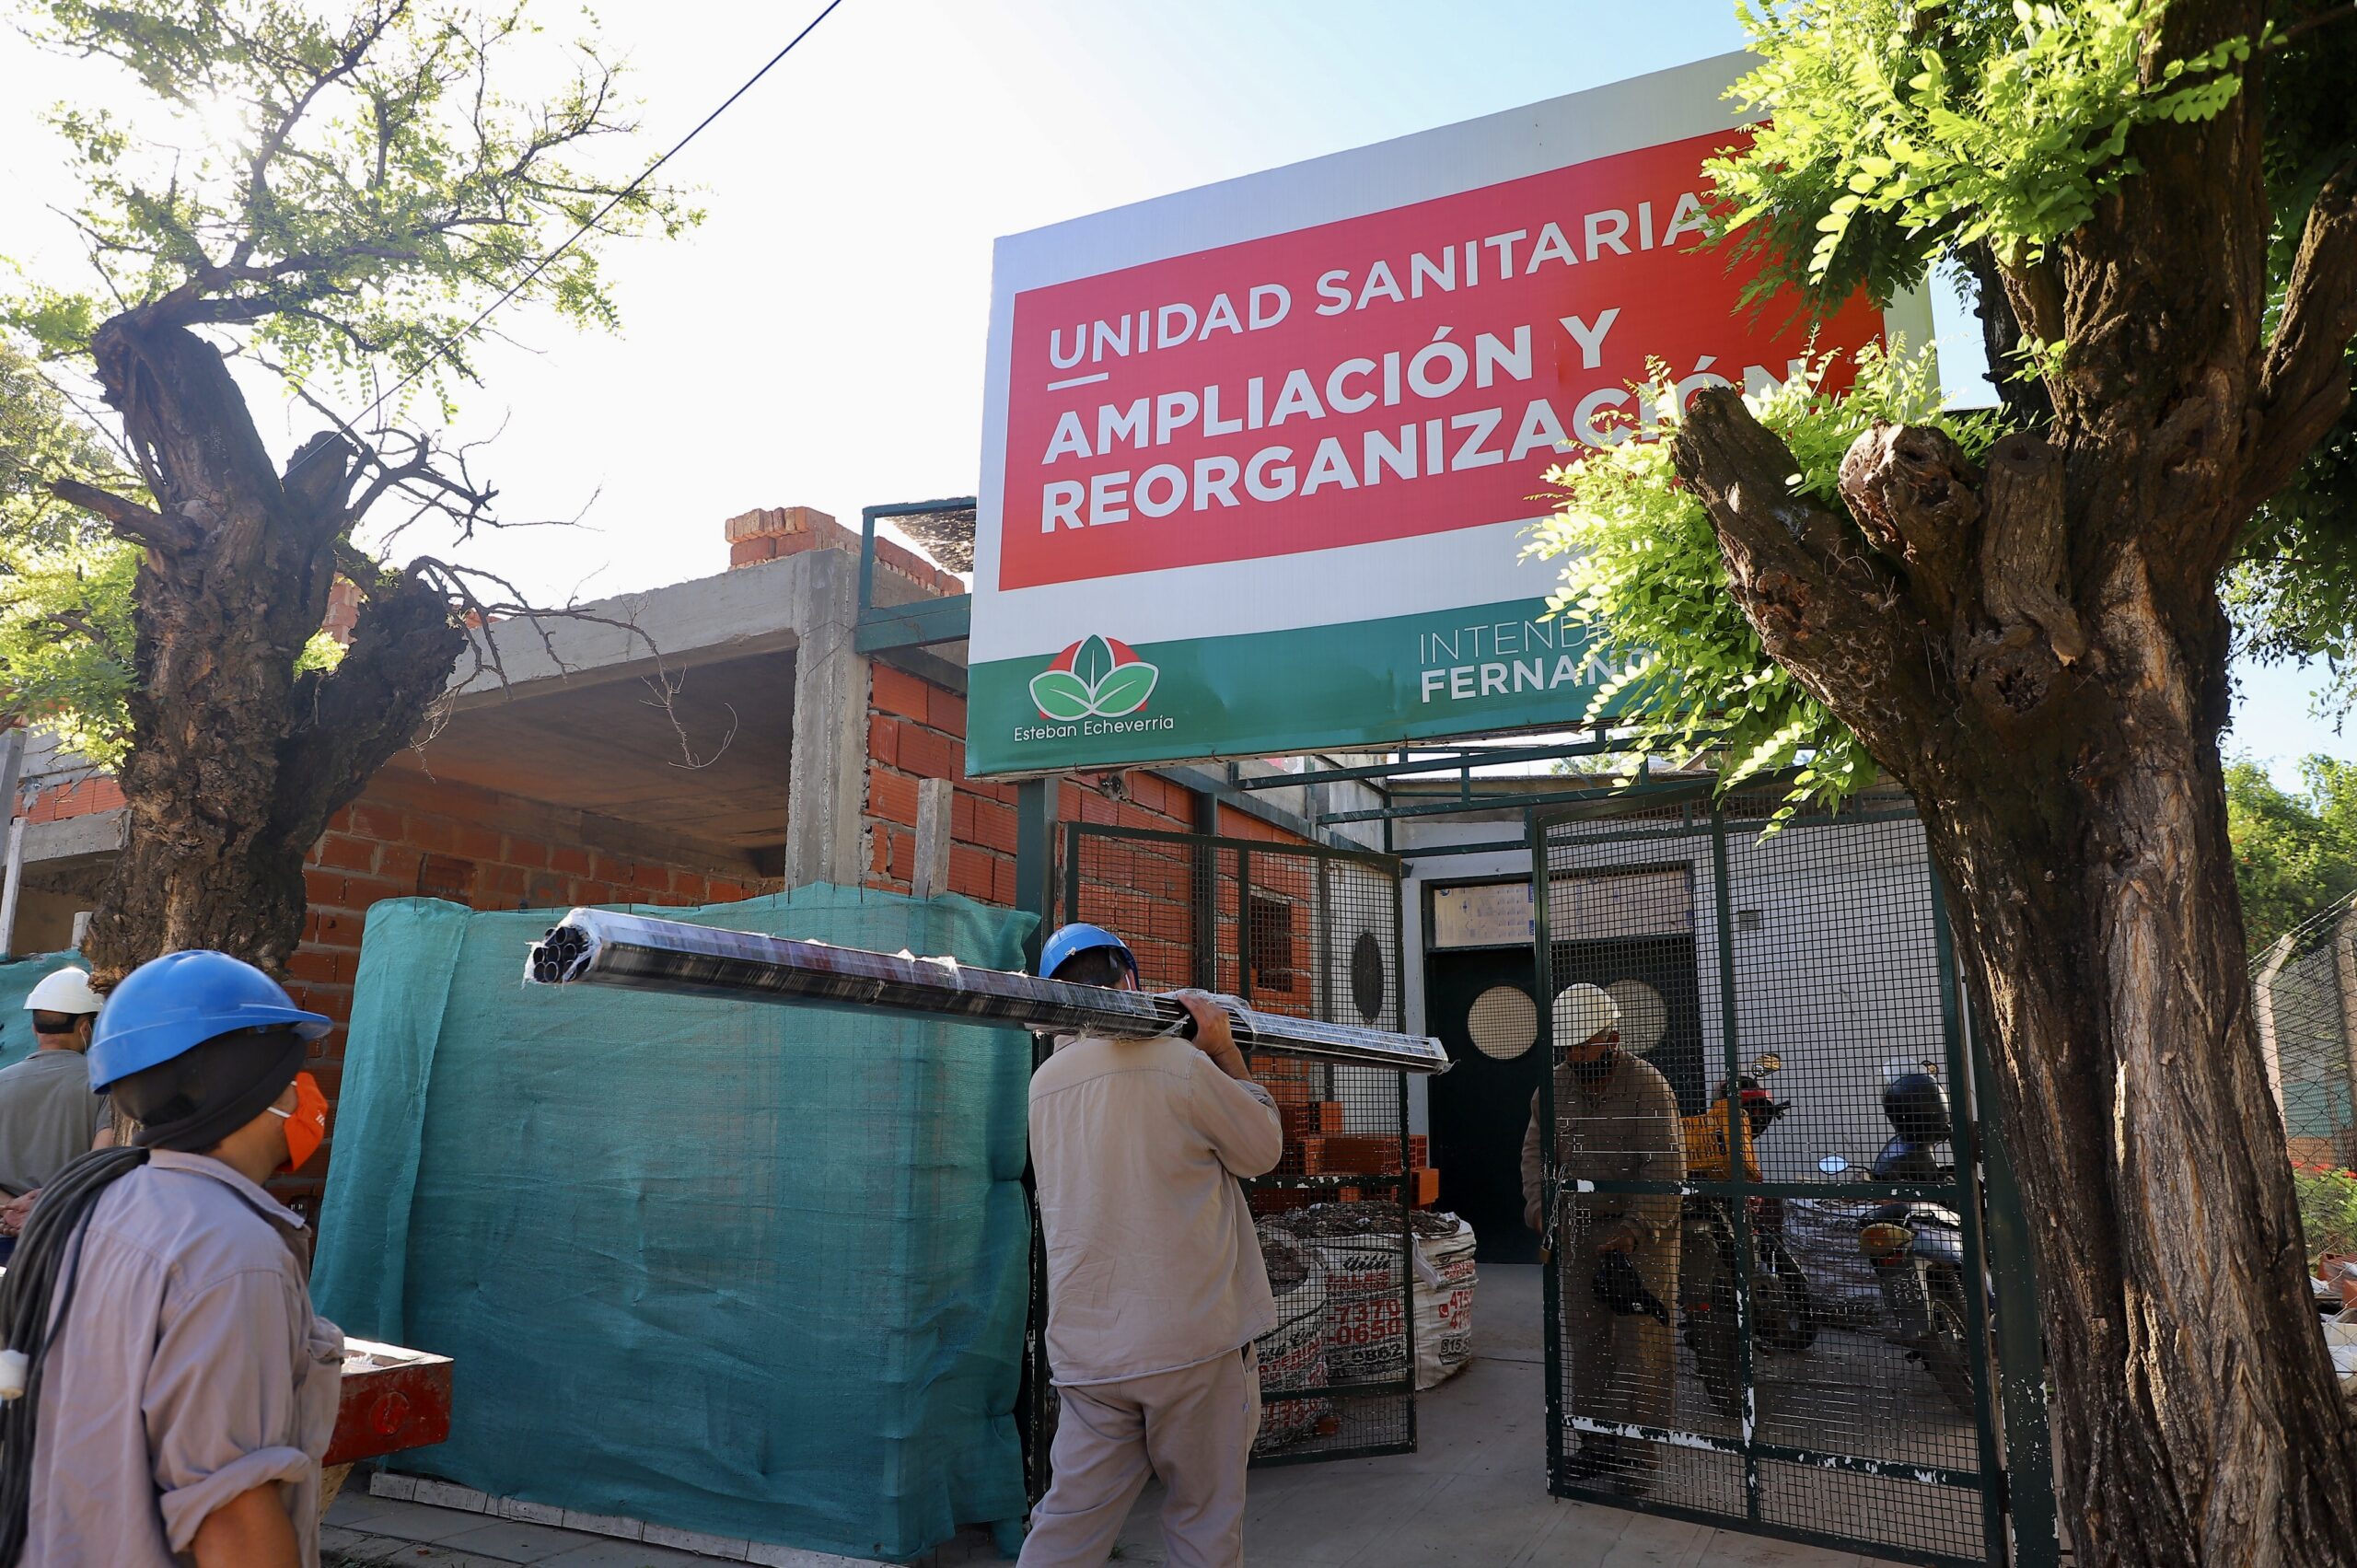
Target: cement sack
pixel 1366 1326
pixel 1444 1303
pixel 1292 1354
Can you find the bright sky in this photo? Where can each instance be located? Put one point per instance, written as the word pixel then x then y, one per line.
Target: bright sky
pixel 820 339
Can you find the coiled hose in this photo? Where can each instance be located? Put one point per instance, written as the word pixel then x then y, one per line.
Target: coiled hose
pixel 50 1249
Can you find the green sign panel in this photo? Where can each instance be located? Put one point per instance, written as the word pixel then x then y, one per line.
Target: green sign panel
pixel 1350 686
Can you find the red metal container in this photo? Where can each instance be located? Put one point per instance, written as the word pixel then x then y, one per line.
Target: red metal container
pixel 393 1399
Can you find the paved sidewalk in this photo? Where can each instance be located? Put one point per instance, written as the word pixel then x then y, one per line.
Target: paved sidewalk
pixel 1473 1496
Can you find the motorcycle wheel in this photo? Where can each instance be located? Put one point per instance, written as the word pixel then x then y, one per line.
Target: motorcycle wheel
pixel 1787 1311
pixel 1945 1354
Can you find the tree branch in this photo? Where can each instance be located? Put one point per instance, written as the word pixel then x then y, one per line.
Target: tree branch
pixel 133 521
pixel 2304 378
pixel 1844 627
pixel 349 719
pixel 1917 497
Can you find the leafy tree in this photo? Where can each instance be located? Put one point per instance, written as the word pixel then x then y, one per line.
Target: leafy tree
pixel 2295 855
pixel 2157 206
pixel 331 202
pixel 64 584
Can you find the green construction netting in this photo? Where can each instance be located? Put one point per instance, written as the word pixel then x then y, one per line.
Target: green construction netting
pixel 17 978
pixel 738 1267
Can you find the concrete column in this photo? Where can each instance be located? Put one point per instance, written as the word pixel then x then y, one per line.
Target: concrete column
pixel 929 877
pixel 830 784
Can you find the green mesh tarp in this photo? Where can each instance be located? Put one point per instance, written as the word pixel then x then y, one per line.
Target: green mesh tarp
pixel 749 1269
pixel 17 978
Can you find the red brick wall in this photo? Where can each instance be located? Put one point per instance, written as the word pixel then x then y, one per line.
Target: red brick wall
pixel 917 730
pixel 410 836
pixel 83 797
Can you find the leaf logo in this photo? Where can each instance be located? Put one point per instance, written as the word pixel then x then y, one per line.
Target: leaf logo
pixel 1095 678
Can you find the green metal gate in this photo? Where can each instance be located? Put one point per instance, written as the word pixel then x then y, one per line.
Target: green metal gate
pixel 1313 930
pixel 1789 1384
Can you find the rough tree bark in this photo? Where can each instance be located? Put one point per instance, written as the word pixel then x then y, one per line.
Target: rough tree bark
pixel 2036 651
pixel 236 762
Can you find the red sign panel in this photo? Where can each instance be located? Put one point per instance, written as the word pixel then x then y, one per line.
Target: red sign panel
pixel 1408 372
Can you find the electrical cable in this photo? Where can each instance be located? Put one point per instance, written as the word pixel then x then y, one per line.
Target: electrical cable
pixel 444 347
pixel 49 1251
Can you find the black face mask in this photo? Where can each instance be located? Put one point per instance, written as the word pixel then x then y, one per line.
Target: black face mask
pixel 1595 1072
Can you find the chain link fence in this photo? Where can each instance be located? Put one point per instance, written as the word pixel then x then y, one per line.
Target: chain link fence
pixel 2303 991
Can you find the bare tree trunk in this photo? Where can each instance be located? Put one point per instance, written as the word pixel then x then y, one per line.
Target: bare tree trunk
pixel 236 762
pixel 2036 650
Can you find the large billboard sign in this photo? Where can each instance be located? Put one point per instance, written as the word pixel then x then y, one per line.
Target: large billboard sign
pixel 1258 458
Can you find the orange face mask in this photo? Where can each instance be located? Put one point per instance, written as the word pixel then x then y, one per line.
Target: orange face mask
pixel 306 1125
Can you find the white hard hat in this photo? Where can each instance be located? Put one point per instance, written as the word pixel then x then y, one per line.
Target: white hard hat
pixel 1582 1012
pixel 65 991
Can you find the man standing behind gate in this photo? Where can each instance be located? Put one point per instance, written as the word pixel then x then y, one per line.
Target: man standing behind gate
pixel 1155 1287
pixel 1616 1119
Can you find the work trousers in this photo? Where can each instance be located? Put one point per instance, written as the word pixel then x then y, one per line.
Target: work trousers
pixel 1621 1366
pixel 1193 1427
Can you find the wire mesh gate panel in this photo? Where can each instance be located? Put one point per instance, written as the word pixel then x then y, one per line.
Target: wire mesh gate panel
pixel 1315 932
pixel 2303 989
pixel 1738 1333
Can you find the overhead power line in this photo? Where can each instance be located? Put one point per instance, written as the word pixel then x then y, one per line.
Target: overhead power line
pixel 446 346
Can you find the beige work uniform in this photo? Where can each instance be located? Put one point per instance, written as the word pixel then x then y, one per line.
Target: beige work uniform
pixel 191 1370
pixel 1156 1292
pixel 1625 1129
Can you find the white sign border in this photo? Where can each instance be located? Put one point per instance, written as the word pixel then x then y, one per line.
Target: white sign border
pixel 1642 112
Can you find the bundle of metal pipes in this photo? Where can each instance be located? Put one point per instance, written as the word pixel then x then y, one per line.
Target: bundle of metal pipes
pixel 642 953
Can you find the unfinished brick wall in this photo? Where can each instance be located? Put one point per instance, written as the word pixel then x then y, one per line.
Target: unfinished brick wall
pixel 84 797
pixel 409 837
pixel 917 730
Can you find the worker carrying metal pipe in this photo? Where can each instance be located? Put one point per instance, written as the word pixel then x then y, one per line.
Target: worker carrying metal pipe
pixel 1155 1287
pixel 169 1390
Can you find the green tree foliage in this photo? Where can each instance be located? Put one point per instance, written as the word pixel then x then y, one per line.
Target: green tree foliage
pixel 2294 853
pixel 1904 130
pixel 1645 577
pixel 360 184
pixel 307 210
pixel 65 584
pixel 1903 136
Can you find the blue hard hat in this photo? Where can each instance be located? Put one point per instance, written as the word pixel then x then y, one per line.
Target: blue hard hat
pixel 170 1005
pixel 1069 941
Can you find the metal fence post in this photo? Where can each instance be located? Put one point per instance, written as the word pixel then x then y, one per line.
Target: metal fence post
pixel 1035 888
pixel 1551 1285
pixel 1738 1205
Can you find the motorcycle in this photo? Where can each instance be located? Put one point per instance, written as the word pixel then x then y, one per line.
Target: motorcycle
pixel 1784 1313
pixel 1916 1246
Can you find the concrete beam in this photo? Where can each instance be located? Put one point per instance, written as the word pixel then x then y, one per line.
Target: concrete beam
pixel 73 838
pixel 829 766
pixel 751 610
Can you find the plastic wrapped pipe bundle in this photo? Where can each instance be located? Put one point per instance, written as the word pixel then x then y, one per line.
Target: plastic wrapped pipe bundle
pixel 642 953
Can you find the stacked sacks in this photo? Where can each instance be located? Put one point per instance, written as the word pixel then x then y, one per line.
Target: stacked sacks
pixel 1292 1354
pixel 1365 1298
pixel 1366 1338
pixel 1443 1297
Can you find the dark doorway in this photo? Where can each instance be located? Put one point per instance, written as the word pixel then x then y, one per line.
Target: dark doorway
pixel 1480 1107
pixel 1479 1002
